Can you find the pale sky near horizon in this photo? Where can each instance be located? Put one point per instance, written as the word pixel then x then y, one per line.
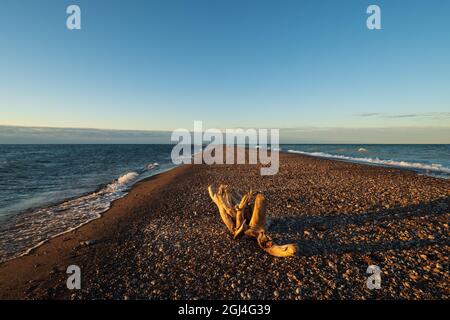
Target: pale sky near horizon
pixel 161 64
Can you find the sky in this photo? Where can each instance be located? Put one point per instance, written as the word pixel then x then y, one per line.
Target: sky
pixel 311 68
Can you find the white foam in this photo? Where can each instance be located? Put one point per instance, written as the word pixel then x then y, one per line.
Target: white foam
pixel 399 164
pixel 127 178
pixel 152 166
pixel 30 230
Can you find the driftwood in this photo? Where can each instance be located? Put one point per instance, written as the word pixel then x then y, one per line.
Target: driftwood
pixel 240 219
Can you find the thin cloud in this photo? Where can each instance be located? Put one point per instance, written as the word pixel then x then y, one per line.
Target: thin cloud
pixel 34 135
pixel 399 135
pixel 428 115
pixel 15 134
pixel 406 115
pixel 368 114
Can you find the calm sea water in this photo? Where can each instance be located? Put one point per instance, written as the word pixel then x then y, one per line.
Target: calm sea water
pixel 46 190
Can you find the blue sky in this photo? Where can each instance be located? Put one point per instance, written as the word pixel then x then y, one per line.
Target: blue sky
pixel 160 65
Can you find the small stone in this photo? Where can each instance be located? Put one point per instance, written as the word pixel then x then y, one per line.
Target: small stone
pixel 413 276
pixel 87 243
pixel 276 294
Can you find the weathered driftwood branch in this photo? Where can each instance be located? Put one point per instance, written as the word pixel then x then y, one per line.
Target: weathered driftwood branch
pixel 237 214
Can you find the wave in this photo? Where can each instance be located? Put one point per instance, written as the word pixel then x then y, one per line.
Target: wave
pixel 127 178
pixel 437 168
pixel 152 166
pixel 27 231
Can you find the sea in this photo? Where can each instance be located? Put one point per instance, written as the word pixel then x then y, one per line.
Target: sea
pixel 47 190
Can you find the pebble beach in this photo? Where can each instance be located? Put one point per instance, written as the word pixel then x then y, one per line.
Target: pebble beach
pixel 165 239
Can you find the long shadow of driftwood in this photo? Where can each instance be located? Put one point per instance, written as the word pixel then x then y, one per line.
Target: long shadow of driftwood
pixel 312 248
pixel 285 226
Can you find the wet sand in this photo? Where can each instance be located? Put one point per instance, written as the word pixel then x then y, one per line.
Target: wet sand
pixel 165 239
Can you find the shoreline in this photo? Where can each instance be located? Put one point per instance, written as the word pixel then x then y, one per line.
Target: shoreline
pixel 49 248
pixel 306 154
pixel 41 271
pixel 419 168
pixel 419 171
pixel 57 203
